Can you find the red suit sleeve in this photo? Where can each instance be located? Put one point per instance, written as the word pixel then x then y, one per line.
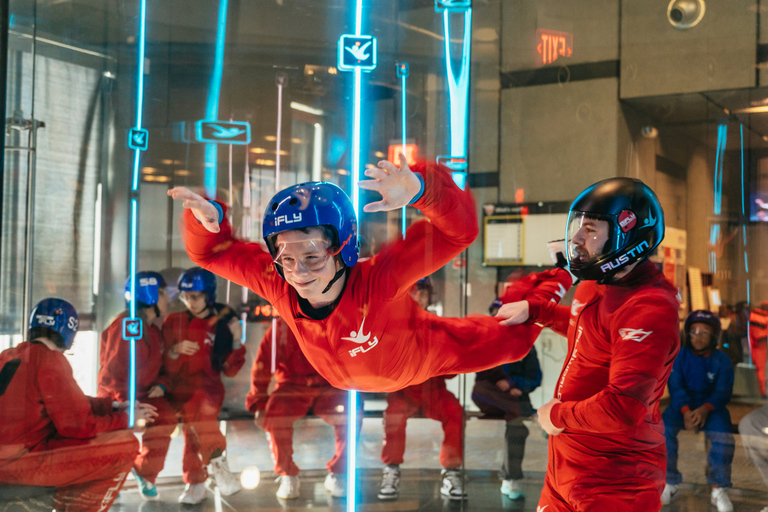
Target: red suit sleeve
pixel 68 407
pixel 644 341
pixel 428 245
pixel 171 333
pixel 542 309
pixel 234 362
pixel 113 374
pixel 101 406
pixel 261 375
pixel 245 263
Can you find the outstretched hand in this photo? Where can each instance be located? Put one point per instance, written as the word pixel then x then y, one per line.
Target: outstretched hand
pixel 203 211
pixel 514 313
pixel 396 186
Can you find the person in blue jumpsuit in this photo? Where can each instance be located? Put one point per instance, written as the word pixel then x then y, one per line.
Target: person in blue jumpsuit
pixel 700 386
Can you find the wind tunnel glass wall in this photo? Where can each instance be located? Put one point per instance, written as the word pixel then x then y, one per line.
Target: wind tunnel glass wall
pixel 525 104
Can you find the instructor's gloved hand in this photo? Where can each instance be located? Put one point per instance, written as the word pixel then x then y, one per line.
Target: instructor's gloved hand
pixel 396 186
pixel 203 210
pixel 544 418
pixel 514 313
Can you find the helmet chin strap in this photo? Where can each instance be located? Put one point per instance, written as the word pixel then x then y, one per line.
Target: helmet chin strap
pixel 336 278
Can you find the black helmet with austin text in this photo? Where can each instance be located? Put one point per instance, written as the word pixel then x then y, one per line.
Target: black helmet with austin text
pixel 635 226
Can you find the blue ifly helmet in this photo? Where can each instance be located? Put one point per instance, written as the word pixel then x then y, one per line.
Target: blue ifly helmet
pixel 59 316
pixel 198 279
pixel 309 205
pixel 148 286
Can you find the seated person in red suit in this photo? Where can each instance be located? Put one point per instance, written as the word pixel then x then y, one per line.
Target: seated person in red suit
pixel 53 435
pixel 151 383
pixel 434 401
pixel 202 343
pixel 298 390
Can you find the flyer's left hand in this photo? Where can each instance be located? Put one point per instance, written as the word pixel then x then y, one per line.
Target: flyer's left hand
pixel 544 418
pixel 396 186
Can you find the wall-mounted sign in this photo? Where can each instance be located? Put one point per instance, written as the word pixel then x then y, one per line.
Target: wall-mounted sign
pixel 452 5
pixel 552 45
pixel 223 132
pixel 138 138
pixel 357 52
pixel 132 328
pixel 394 150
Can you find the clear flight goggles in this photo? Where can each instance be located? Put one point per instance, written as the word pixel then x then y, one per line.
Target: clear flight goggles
pixel 310 255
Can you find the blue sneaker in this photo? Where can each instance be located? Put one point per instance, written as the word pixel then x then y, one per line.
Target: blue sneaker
pixel 147 489
pixel 512 489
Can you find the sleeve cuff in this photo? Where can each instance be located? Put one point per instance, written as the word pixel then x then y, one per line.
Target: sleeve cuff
pixel 554 416
pixel 421 190
pixel 685 409
pixel 709 406
pixel 221 210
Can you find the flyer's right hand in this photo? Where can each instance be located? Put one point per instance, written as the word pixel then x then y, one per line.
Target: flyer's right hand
pixel 503 385
pixel 203 211
pixel 514 313
pixel 258 419
pixel 186 348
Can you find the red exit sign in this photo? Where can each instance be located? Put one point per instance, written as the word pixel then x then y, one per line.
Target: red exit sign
pixel 551 45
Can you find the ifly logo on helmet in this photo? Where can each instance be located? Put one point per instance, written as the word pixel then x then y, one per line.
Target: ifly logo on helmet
pixel 624 258
pixel 46 320
pixel 283 219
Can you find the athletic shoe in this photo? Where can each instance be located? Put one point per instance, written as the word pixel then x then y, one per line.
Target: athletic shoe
pixel 225 481
pixel 193 494
pixel 721 500
pixel 453 485
pixel 289 487
pixel 336 484
pixel 512 489
pixel 670 492
pixel 147 489
pixel 390 483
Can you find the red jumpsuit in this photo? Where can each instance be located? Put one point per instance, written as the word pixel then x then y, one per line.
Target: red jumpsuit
pixel 435 402
pixel 298 388
pixel 758 335
pixel 51 434
pixel 622 340
pixel 196 390
pixel 114 359
pixel 377 338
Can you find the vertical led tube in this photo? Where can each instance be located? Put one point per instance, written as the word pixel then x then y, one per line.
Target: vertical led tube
pixel 458 86
pixel 214 92
pixel 402 137
pixel 134 211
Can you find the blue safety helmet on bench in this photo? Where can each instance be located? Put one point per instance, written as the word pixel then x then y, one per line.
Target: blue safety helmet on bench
pixel 57 315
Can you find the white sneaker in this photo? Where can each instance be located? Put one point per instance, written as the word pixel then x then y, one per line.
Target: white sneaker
pixel 721 500
pixel 336 484
pixel 193 494
pixel 225 481
pixel 390 483
pixel 512 489
pixel 453 484
pixel 289 487
pixel 669 493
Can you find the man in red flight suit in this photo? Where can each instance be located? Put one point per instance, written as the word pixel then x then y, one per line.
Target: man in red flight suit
pixel 113 378
pixel 434 400
pixel 298 389
pixel 606 444
pixel 51 434
pixel 354 321
pixel 758 339
pixel 202 342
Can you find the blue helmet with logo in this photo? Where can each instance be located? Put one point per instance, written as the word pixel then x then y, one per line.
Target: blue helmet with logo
pixel 309 205
pixel 198 279
pixel 635 227
pixel 148 286
pixel 59 316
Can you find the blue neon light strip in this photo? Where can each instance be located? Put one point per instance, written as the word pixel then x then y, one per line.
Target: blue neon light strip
pixel 214 92
pixel 722 138
pixel 134 209
pixel 352 417
pixel 402 136
pixel 458 88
